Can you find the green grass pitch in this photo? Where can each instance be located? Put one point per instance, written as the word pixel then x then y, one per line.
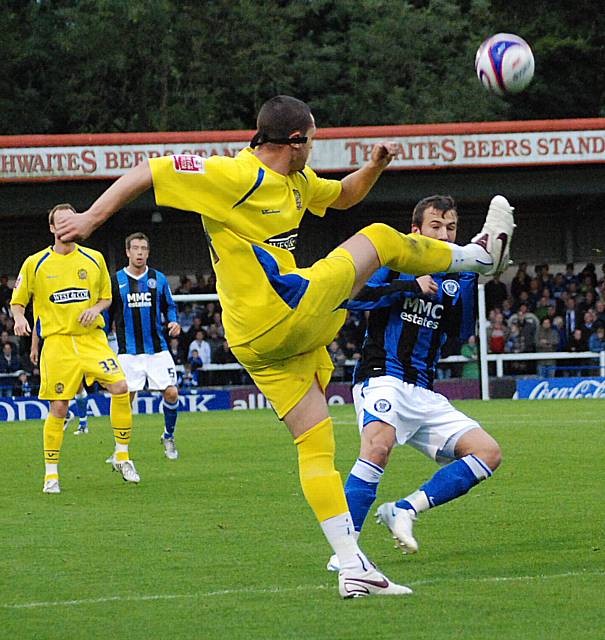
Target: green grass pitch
pixel 221 544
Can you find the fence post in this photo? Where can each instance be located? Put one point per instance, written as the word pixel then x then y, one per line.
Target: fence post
pixel 483 343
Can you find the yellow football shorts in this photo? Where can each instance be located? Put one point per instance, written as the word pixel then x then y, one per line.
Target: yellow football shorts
pixel 66 360
pixel 284 361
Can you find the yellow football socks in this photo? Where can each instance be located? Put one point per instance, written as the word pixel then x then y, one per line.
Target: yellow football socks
pixel 121 422
pixel 53 439
pixel 413 253
pixel 320 481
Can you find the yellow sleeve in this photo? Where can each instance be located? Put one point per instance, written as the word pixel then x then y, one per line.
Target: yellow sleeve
pixel 323 192
pixel 105 280
pixel 193 183
pixel 24 285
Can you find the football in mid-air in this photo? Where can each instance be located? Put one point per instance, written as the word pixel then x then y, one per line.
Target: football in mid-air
pixel 504 64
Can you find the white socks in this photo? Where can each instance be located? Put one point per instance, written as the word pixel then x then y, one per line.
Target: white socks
pixel 470 257
pixel 343 539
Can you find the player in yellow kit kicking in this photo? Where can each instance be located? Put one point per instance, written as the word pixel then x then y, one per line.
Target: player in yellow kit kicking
pixel 70 287
pixel 277 317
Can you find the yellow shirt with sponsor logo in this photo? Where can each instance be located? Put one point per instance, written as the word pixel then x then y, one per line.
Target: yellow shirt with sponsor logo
pixel 251 215
pixel 63 286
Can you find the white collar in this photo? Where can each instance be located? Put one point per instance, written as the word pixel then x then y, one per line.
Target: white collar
pixel 131 275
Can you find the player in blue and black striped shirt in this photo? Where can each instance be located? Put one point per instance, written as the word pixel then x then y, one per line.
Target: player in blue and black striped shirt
pixel 142 305
pixel 409 322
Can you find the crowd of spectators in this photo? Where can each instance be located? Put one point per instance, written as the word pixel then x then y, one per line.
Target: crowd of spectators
pixel 543 312
pixel 546 313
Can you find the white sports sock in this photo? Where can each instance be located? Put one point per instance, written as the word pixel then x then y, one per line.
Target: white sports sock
pixel 419 501
pixel 470 257
pixel 367 471
pixel 51 469
pixel 343 539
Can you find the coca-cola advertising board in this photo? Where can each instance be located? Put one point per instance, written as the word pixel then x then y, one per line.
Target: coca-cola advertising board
pixel 560 388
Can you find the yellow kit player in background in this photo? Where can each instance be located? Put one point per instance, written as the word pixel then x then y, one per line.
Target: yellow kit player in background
pixel 70 287
pixel 277 317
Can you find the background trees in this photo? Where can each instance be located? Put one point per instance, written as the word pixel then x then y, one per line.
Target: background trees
pixel 70 66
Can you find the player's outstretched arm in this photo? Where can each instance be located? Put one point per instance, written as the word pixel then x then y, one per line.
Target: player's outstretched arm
pixel 122 191
pixel 357 185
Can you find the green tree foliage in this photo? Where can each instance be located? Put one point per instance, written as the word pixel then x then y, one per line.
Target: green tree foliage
pixel 71 66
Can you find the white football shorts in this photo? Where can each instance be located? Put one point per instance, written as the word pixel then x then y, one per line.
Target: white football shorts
pixel 422 418
pixel 157 369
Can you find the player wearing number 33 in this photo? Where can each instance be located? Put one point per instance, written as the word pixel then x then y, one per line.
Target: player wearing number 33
pixel 142 301
pixel 70 287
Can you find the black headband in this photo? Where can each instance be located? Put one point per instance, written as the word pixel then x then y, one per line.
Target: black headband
pixel 261 138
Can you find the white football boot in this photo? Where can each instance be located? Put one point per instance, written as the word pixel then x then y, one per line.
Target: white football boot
pixel 401 523
pixel 127 469
pixel 496 235
pixel 357 583
pixel 170 450
pixel 333 563
pixel 51 486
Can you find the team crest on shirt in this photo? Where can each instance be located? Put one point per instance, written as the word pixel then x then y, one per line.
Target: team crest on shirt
pixel 382 406
pixel 189 163
pixel 59 387
pixel 450 287
pixel 151 283
pixel 82 274
pixel 297 198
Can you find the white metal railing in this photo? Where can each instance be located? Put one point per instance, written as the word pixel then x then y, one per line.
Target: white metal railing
pixel 501 358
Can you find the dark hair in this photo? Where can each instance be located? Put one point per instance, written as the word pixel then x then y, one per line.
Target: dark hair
pixel 58 207
pixel 137 235
pixel 441 203
pixel 278 118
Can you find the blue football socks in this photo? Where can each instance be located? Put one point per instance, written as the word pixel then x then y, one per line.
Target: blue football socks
pixel 449 483
pixel 170 415
pixel 361 488
pixel 82 408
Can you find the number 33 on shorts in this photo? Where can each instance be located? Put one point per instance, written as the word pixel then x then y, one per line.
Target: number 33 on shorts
pixel 109 366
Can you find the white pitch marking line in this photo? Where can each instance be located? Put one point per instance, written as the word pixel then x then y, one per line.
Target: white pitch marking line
pixel 570 574
pixel 228 592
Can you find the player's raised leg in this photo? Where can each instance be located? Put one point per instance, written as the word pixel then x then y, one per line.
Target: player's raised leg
pixel 380 245
pixel 312 429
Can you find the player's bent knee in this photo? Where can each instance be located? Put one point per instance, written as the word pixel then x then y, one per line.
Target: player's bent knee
pixel 492 457
pixel 378 453
pixel 478 442
pixel 59 408
pixel 118 388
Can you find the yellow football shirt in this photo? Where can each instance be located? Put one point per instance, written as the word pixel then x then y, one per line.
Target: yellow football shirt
pixel 251 216
pixel 63 286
